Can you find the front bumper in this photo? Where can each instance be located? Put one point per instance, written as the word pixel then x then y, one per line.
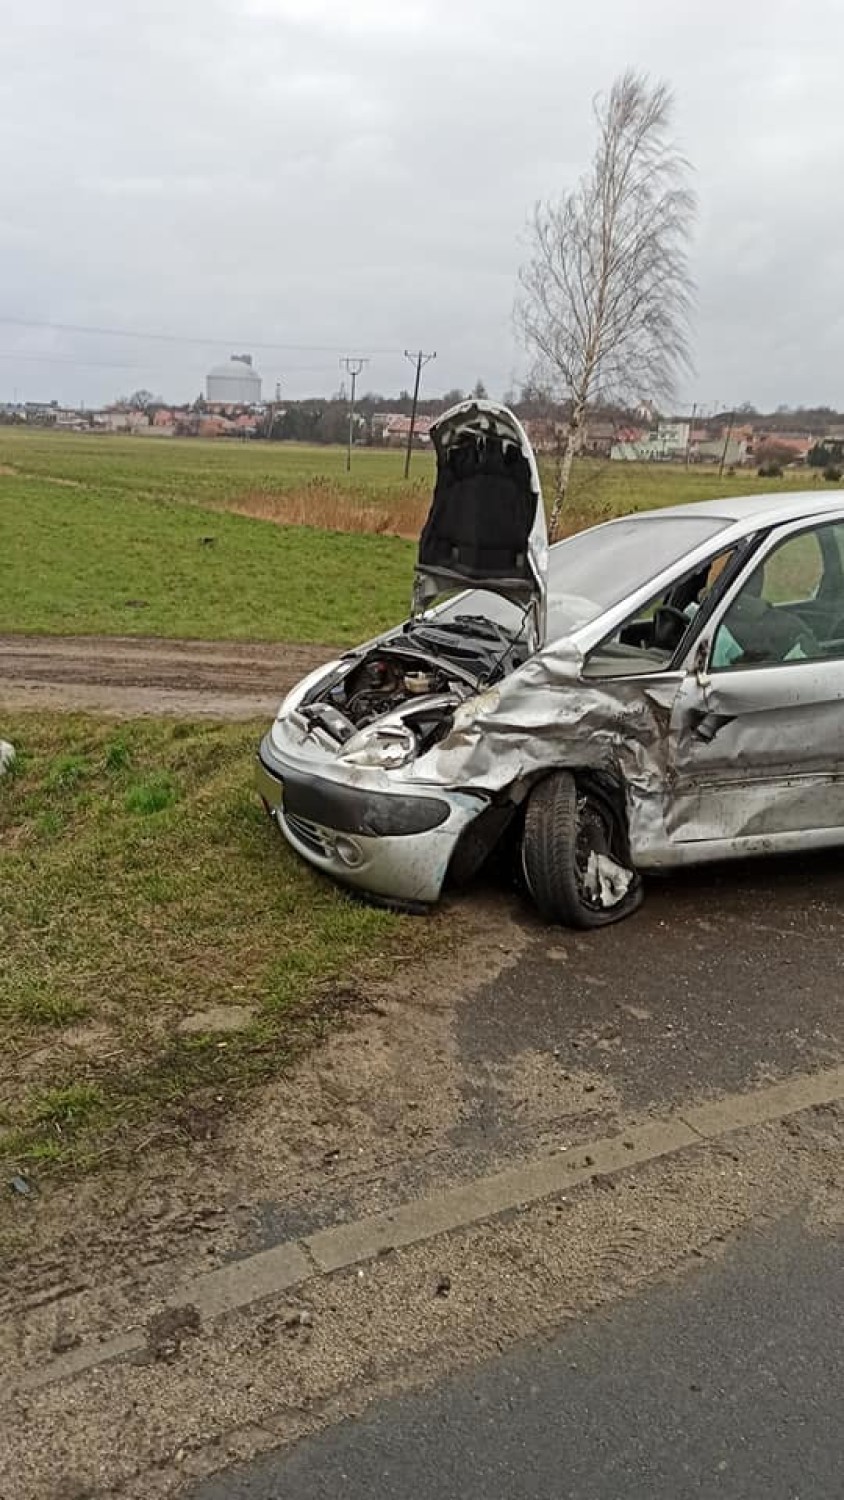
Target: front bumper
pixel 394 844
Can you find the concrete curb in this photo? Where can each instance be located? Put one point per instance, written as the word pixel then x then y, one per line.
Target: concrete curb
pixel 241 1283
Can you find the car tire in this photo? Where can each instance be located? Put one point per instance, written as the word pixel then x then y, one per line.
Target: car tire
pixel 564 823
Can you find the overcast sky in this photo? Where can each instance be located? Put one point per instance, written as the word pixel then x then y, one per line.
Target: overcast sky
pixel 355 175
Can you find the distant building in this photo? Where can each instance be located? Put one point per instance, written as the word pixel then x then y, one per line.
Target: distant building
pixel 797 444
pixel 674 436
pixel 601 435
pixel 598 437
pixel 119 419
pixel 392 428
pixel 730 451
pixel 667 444
pixel 235 382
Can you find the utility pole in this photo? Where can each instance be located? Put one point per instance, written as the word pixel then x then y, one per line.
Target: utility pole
pixel 353 366
pixel 691 430
pixel 726 444
pixel 418 359
pixel 272 407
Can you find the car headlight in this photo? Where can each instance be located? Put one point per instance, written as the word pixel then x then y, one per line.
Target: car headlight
pixel 382 745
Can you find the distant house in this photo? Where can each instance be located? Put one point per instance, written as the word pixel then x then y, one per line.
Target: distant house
pixel 668 443
pixel 601 434
pixel 215 426
pixel 731 451
pixel 674 437
pixel 392 428
pixel 121 419
pixel 598 437
pixel 797 443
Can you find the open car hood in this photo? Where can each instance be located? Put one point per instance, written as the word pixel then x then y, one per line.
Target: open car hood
pixel 486 525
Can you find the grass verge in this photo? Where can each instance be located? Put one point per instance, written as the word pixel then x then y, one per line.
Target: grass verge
pixel 161 950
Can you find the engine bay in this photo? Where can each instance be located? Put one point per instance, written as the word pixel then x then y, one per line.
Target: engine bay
pixel 422 673
pixel 385 682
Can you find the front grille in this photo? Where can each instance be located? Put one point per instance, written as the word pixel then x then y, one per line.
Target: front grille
pixel 308 834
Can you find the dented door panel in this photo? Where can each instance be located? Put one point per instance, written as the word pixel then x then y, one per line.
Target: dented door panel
pixel 757 752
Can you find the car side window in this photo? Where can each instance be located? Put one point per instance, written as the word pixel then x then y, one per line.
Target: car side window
pixel 791 608
pixel 648 640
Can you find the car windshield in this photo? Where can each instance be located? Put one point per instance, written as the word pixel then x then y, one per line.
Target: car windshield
pixel 590 572
pixel 593 570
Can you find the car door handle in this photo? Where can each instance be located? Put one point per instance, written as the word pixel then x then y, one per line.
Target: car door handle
pixel 705 725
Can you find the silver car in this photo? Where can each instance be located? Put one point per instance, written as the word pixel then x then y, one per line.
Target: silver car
pixel 660 690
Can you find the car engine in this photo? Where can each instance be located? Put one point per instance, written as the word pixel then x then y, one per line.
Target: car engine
pixel 384 683
pixel 423 673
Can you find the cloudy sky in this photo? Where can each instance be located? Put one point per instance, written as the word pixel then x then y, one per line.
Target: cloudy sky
pixel 306 178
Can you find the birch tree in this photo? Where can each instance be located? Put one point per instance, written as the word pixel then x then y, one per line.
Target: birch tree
pixel 605 293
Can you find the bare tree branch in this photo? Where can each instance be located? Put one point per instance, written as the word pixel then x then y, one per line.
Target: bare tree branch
pixel 606 292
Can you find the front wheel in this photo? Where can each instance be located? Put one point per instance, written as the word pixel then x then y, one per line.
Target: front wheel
pixel 573 856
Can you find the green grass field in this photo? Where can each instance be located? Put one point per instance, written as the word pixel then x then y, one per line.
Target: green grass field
pixel 197 470
pixel 142 883
pixel 88 561
pixel 107 534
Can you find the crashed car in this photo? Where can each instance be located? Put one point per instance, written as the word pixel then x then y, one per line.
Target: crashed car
pixel 659 690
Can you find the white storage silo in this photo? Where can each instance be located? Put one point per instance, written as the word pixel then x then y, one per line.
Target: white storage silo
pixel 235 382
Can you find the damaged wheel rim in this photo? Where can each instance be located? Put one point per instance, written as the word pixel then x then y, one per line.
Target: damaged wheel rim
pixel 603 881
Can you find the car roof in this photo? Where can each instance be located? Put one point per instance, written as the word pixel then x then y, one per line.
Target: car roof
pixel 757 510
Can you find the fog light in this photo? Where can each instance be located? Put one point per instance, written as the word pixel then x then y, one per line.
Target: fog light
pixel 349 851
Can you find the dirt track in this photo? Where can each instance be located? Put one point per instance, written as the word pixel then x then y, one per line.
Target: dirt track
pixel 131 676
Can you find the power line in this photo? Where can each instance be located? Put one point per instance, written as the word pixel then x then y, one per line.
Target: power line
pixel 726 445
pixel 58 359
pixel 176 338
pixel 106 364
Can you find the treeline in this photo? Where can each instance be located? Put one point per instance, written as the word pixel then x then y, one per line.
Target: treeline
pixel 321 419
pixel 326 420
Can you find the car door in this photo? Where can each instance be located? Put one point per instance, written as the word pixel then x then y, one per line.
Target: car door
pixel 757 728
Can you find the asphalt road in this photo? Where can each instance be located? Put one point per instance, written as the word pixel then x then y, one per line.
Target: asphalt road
pixel 727 974
pixel 726 1384
pixel 729 977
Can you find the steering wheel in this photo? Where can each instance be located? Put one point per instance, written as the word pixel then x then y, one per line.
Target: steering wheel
pixel 670 625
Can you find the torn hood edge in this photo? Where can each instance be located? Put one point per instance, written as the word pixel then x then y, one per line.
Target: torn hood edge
pixel 482 418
